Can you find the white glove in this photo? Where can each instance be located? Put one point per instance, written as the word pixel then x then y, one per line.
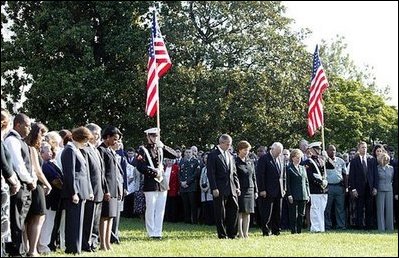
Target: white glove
pixel 324 183
pixel 160 144
pixel 324 153
pixel 317 176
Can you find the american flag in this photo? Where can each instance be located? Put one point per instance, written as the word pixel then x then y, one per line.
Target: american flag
pixel 318 85
pixel 158 64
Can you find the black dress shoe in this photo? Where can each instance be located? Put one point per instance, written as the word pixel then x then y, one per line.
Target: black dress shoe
pixel 266 233
pixel 276 233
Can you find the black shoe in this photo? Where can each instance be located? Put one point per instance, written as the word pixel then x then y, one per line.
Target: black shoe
pixel 156 237
pixel 267 233
pixel 276 233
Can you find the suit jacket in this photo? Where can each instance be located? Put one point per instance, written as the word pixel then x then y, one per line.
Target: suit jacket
pixel 297 183
pixel 246 174
pixel 222 177
pixel 357 179
pixel 76 173
pixel 111 170
pixel 96 170
pixel 269 176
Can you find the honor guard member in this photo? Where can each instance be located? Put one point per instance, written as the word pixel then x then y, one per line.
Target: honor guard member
pixel 149 162
pixel 317 183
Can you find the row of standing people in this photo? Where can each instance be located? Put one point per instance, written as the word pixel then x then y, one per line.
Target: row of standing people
pixel 83 190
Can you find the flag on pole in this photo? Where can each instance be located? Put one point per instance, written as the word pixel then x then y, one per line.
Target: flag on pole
pixel 158 64
pixel 318 85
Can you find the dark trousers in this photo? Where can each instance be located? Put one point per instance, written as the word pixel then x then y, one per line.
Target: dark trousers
pixel 226 215
pixel 128 206
pixel 172 209
pixel 190 207
pixel 19 207
pixel 296 214
pixel 88 221
pixel 208 213
pixel 364 210
pixel 270 215
pixel 74 215
pixel 285 221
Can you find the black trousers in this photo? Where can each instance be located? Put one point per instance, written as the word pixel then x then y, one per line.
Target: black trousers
pixel 226 215
pixel 296 214
pixel 19 207
pixel 270 214
pixel 190 207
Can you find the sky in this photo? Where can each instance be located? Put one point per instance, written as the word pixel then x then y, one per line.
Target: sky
pixel 370 30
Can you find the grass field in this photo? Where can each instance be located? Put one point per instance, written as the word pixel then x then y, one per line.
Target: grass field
pixel 197 240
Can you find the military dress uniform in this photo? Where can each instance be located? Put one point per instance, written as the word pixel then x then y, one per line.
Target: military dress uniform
pixel 189 172
pixel 318 192
pixel 155 192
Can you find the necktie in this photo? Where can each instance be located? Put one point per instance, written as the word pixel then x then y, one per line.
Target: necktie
pixel 277 165
pixel 364 165
pixel 226 157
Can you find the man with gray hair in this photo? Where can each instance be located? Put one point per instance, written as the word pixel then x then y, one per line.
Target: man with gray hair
pixel 223 181
pixel 269 177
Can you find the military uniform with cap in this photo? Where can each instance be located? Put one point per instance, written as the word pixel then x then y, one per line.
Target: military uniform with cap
pixel 155 190
pixel 317 185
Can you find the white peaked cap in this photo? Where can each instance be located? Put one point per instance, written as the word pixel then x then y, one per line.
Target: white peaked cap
pixel 153 130
pixel 314 145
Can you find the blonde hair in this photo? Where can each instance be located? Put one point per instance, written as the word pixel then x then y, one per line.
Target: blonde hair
pixel 383 159
pixel 296 153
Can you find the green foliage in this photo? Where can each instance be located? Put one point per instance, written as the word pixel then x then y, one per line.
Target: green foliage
pixel 237 68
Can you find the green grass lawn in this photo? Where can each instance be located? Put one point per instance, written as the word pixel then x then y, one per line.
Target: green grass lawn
pixel 188 240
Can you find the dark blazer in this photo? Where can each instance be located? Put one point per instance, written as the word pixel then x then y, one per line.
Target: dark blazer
pixel 269 177
pixel 52 172
pixel 246 175
pixel 76 173
pixel 110 170
pixel 357 179
pixel 96 169
pixel 297 183
pixel 221 176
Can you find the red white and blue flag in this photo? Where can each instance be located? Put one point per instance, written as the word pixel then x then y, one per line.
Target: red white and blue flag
pixel 318 85
pixel 158 64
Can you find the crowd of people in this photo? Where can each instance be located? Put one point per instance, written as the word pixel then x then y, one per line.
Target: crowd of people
pixel 67 189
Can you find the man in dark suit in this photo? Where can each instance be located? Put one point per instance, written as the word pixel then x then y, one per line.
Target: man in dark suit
pixel 363 184
pixel 97 179
pixel 223 180
pixel 269 176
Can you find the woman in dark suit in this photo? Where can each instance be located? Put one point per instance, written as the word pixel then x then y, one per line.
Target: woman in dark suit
pixel 112 192
pixel 249 190
pixel 76 189
pixel 297 191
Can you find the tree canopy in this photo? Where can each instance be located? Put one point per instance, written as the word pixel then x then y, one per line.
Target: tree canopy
pixel 238 68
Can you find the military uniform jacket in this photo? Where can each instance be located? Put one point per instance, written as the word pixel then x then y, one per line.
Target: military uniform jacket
pixel 315 184
pixel 189 172
pixel 143 166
